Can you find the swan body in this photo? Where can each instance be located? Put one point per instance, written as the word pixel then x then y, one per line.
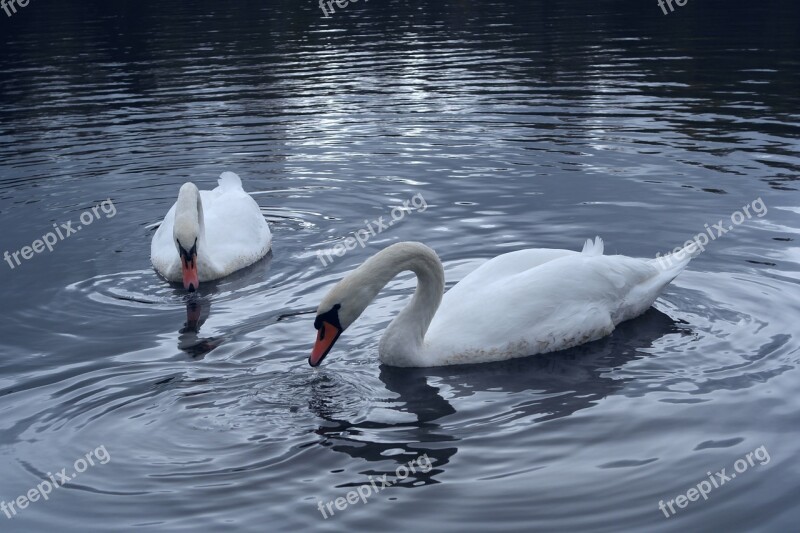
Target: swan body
pixel 207 235
pixel 520 303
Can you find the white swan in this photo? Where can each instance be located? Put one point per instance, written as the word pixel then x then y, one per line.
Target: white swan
pixel 207 235
pixel 517 304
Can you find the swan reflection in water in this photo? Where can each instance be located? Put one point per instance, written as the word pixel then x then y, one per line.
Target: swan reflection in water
pixel 197 312
pixel 550 386
pixel 198 307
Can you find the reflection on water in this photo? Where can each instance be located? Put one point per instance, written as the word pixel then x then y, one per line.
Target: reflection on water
pixel 556 386
pixel 522 124
pixel 189 341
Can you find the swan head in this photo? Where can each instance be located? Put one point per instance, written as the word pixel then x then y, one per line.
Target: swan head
pixel 350 297
pixel 338 310
pixel 328 327
pixel 186 233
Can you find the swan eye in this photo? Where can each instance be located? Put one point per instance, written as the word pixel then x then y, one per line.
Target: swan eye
pixel 332 317
pixel 188 255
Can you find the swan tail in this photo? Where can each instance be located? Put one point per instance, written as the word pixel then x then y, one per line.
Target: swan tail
pixel 673 263
pixel 229 180
pixel 593 247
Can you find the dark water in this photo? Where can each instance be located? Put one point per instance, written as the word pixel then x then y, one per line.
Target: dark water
pixel 522 124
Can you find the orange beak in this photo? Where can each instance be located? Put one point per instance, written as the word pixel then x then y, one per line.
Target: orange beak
pixel 190 279
pixel 327 335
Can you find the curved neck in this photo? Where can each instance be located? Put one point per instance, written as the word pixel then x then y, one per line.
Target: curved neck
pixel 189 211
pixel 189 222
pixel 402 343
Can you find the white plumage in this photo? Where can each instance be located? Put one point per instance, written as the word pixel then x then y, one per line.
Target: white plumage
pixel 517 304
pixel 230 231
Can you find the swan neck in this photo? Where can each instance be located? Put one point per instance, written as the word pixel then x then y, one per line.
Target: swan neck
pixel 403 342
pixel 190 210
pixel 190 224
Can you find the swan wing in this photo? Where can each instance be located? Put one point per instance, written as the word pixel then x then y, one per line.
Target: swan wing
pixel 237 234
pixel 556 304
pixel 506 265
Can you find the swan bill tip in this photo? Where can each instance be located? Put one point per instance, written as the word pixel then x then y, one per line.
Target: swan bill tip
pixel 328 334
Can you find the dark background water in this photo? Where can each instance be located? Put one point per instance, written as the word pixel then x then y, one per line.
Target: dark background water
pixel 522 124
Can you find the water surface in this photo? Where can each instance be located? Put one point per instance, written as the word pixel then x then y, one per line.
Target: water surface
pixel 521 124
